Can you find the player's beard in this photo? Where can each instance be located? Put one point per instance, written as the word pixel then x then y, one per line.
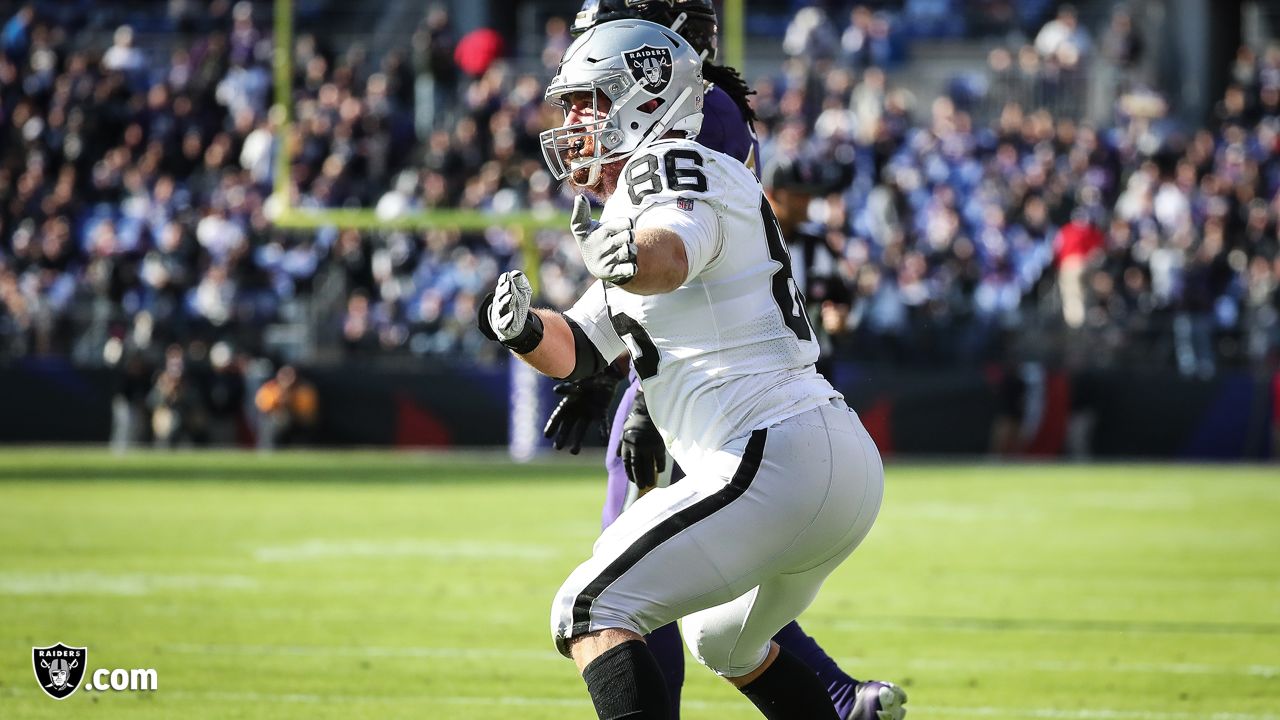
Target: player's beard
pixel 584 148
pixel 606 179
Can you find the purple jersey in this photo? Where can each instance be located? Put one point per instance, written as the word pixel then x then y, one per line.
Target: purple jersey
pixel 724 130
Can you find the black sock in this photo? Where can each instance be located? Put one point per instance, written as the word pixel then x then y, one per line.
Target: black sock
pixel 626 684
pixel 789 690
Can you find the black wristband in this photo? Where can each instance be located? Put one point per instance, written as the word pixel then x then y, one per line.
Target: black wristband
pixel 529 337
pixel 521 344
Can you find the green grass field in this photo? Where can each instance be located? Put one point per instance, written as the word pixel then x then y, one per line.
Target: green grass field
pixel 374 585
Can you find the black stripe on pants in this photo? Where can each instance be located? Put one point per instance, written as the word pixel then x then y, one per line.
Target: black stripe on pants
pixel 667 529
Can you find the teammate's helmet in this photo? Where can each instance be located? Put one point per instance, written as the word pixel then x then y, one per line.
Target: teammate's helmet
pixel 653 80
pixel 700 25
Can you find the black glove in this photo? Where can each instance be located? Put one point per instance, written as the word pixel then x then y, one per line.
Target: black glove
pixel 583 402
pixel 643 453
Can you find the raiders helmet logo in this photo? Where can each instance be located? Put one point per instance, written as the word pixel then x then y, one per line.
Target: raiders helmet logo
pixel 651 67
pixel 59 669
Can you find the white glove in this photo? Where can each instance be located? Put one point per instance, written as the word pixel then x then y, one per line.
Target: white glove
pixel 608 249
pixel 510 308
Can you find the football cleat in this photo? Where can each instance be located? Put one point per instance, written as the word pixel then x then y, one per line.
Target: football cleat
pixel 878 700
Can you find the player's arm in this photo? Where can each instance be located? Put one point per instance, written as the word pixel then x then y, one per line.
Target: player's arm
pixel 554 355
pixel 655 254
pixel 661 263
pixel 648 261
pixel 553 344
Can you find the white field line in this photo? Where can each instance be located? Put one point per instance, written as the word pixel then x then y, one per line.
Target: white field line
pixel 1057 666
pixel 1033 713
pixel 330 613
pixel 510 701
pixel 1087 714
pixel 525 701
pixel 318 549
pixel 448 653
pixel 995 625
pixel 96 583
pixel 518 655
pixel 972 514
pixel 256 697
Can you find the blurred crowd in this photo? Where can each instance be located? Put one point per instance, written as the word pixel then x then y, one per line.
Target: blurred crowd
pixel 202 395
pixel 1038 234
pixel 136 188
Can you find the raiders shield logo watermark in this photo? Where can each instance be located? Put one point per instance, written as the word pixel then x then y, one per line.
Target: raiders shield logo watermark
pixel 651 67
pixel 59 669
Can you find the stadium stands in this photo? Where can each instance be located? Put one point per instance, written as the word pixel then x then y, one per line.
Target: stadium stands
pixel 133 184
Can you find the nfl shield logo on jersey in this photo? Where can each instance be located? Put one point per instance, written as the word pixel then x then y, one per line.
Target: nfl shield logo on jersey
pixel 59 669
pixel 650 66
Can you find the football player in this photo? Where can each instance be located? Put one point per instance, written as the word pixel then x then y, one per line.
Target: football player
pixel 694 285
pixel 636 455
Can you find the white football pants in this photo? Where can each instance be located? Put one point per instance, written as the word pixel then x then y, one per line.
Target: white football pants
pixel 739 547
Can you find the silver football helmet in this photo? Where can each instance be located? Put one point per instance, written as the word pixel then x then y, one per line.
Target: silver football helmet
pixel 652 79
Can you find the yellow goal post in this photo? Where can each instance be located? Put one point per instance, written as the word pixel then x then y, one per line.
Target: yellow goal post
pixel 289 217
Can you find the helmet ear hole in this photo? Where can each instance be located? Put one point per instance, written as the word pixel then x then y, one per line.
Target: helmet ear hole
pixel 652 106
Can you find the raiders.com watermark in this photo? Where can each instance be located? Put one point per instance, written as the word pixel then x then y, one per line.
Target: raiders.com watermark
pixel 62 669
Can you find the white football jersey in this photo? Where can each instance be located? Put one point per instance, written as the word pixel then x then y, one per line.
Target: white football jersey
pixel 731 350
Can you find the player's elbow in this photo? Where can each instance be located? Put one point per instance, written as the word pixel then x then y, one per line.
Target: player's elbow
pixel 662 263
pixel 664 280
pixel 587 359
